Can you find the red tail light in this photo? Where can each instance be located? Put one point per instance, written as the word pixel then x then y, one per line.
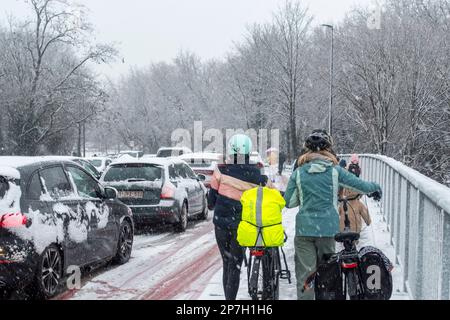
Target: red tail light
pixel 257 253
pixel 168 191
pixel 13 220
pixel 349 265
pixel 260 165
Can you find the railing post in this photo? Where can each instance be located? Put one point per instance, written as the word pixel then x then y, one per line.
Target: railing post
pixel 385 185
pixel 445 291
pixel 398 218
pixel 392 207
pixel 407 215
pixel 420 239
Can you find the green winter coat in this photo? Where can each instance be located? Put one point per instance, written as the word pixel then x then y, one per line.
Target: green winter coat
pixel 314 187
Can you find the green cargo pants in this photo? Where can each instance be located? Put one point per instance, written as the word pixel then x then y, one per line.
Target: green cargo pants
pixel 308 255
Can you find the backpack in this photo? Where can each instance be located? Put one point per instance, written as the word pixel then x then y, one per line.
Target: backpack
pixel 261 222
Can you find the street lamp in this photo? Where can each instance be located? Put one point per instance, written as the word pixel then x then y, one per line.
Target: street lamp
pixel 330 114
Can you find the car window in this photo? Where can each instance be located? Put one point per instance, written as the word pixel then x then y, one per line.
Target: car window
pixel 167 153
pixel 172 173
pixel 55 182
pixel 4 186
pixel 86 186
pixel 134 171
pixel 96 162
pixel 34 188
pixel 189 172
pixel 199 163
pixel 181 171
pixel 88 167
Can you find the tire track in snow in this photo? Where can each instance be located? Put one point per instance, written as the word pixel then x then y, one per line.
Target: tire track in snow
pixel 189 279
pixel 155 263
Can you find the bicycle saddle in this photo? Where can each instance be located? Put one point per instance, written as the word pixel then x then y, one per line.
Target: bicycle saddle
pixel 347 236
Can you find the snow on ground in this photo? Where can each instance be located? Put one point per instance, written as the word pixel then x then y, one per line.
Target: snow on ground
pixel 188 266
pixel 155 261
pixel 376 235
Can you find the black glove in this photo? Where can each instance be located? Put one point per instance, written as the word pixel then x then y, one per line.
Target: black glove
pixel 376 195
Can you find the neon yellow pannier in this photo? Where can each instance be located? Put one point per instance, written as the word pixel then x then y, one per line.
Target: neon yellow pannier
pixel 261 224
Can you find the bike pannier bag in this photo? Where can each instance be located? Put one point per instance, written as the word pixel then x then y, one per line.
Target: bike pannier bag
pixel 328 283
pixel 261 223
pixel 375 270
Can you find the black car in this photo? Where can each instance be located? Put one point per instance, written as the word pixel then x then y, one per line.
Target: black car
pixel 54 217
pixel 159 190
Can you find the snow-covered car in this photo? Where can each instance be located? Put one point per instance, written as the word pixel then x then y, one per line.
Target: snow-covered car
pixel 168 152
pixel 159 190
pixel 134 154
pixel 203 164
pixel 53 215
pixel 146 156
pixel 100 163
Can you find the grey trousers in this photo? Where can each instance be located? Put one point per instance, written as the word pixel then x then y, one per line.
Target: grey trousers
pixel 308 255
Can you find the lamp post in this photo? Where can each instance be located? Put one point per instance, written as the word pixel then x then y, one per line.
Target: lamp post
pixel 330 112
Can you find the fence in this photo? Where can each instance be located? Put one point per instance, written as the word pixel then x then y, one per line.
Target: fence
pixel 417 211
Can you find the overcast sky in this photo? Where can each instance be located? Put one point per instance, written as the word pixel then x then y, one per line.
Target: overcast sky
pixel 156 30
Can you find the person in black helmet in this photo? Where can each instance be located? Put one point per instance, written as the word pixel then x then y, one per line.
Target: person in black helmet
pixel 314 188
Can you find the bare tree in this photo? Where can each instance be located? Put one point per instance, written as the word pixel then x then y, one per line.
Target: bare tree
pixel 55 47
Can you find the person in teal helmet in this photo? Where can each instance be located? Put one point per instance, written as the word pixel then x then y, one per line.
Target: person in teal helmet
pixel 228 183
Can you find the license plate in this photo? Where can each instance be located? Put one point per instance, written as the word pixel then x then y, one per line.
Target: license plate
pixel 131 194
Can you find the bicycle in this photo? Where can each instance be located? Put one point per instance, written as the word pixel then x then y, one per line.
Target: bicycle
pixel 348 259
pixel 342 275
pixel 343 267
pixel 264 272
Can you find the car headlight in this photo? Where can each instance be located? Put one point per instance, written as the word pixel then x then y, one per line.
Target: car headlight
pixel 2 253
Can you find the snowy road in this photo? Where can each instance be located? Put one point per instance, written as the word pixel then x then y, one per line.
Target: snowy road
pixel 187 266
pixel 161 266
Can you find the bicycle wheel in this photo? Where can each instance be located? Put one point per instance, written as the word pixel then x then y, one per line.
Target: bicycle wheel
pixel 354 291
pixel 255 281
pixel 271 275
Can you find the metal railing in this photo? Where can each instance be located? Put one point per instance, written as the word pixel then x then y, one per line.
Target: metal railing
pixel 417 211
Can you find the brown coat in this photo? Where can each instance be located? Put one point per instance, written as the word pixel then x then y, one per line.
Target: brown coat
pixel 357 213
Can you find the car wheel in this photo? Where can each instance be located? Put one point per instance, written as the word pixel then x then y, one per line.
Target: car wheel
pixel 125 245
pixel 182 224
pixel 49 273
pixel 205 213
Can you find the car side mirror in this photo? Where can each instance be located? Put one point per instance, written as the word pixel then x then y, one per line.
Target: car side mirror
pixel 110 193
pixel 201 177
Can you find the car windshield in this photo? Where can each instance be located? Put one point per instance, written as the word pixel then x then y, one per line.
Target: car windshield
pixel 198 163
pixel 134 172
pixel 166 153
pixel 96 163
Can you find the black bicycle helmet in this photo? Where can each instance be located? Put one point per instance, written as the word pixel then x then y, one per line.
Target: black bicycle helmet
pixel 319 140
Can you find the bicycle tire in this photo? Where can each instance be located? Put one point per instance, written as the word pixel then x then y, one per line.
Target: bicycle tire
pixel 271 279
pixel 353 284
pixel 254 279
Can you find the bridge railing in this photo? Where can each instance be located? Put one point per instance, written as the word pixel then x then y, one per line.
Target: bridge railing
pixel 417 211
